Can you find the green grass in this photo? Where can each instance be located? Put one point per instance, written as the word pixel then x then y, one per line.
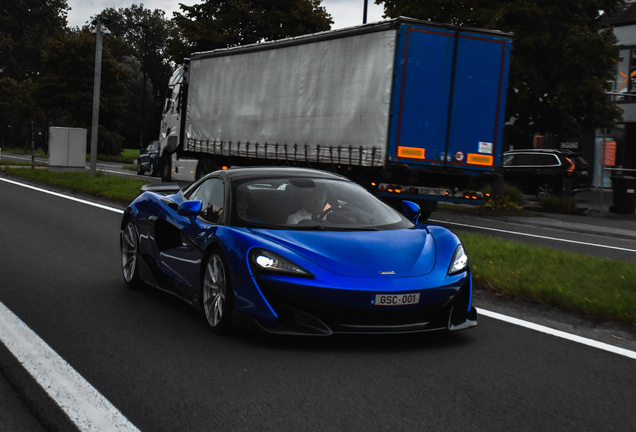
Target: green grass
pixel 558 204
pixel 21 151
pixel 127 156
pixel 14 163
pixel 600 288
pixel 102 185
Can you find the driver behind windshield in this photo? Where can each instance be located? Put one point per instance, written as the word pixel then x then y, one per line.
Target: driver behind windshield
pixel 314 205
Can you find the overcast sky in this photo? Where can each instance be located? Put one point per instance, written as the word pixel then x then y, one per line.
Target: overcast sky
pixel 345 13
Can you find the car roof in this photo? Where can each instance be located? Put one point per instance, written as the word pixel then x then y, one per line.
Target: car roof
pixel 246 173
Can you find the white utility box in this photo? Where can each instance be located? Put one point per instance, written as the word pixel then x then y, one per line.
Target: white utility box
pixel 67 149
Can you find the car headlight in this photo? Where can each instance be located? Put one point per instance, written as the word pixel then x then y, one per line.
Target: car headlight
pixel 264 261
pixel 459 263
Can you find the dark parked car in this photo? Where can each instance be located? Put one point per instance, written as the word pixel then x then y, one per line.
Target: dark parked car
pixel 149 159
pixel 542 172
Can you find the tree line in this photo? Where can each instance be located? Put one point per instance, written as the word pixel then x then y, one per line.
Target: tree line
pixel 561 58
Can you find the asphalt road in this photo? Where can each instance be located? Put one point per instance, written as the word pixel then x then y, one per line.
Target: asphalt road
pixel 154 359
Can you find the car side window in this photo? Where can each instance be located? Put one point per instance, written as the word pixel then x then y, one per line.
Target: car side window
pixel 508 159
pixel 546 160
pixel 211 194
pixel 522 159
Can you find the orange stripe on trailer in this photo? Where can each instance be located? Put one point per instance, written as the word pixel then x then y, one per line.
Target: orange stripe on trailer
pixel 410 152
pixel 479 159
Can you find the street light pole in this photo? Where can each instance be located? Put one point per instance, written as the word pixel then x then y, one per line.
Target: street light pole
pixel 364 14
pixel 100 30
pixel 143 94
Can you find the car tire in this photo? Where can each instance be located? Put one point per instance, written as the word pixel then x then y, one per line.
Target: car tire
pixel 152 169
pixel 204 167
pixel 217 294
pixel 130 255
pixel 139 170
pixel 545 189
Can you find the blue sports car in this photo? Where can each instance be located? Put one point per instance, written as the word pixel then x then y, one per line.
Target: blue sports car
pixel 296 251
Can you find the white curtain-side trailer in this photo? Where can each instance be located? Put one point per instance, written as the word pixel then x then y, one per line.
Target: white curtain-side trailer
pixel 409 109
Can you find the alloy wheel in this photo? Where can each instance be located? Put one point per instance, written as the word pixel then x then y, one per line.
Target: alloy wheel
pixel 129 248
pixel 214 291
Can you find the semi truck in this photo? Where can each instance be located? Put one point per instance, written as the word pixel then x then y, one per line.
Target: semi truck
pixel 409 109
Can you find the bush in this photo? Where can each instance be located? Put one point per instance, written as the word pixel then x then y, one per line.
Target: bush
pixel 108 143
pixel 512 198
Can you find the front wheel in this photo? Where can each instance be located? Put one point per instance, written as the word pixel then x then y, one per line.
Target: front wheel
pixel 165 168
pixel 130 255
pixel 217 294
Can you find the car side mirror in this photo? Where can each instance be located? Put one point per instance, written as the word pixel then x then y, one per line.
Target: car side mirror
pixel 411 211
pixel 190 208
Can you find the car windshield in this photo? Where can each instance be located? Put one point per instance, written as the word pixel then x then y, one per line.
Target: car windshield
pixel 311 204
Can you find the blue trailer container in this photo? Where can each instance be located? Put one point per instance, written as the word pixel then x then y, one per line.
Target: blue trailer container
pixel 448 103
pixel 407 108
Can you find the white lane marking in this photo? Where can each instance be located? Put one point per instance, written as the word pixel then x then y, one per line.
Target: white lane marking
pixel 81 402
pixel 534 235
pixel 64 196
pixel 558 333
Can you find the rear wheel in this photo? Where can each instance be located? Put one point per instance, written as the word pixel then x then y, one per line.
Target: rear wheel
pixel 545 190
pixel 204 167
pixel 129 255
pixel 217 294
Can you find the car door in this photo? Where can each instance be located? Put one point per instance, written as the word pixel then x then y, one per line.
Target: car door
pixel 183 261
pixel 518 170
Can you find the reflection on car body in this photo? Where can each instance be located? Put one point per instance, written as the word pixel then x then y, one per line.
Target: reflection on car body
pixel 226 245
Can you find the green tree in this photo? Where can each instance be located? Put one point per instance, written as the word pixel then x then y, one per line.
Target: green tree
pixel 66 83
pixel 16 106
pixel 25 26
pixel 226 23
pixel 561 59
pixel 145 34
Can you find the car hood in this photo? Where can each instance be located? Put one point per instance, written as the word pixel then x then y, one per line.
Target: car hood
pixel 362 254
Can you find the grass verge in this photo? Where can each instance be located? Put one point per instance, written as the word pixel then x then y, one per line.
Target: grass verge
pixel 13 163
pixel 127 156
pixel 600 288
pixel 102 185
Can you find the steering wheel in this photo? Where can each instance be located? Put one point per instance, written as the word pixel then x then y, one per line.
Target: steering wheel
pixel 325 213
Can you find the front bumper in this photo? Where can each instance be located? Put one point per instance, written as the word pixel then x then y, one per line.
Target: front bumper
pixel 299 315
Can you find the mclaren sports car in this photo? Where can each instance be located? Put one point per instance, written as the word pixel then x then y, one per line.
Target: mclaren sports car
pixel 296 251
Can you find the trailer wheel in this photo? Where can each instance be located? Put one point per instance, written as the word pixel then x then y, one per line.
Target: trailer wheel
pixel 204 167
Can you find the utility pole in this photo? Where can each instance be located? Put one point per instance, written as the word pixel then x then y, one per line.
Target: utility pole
pixel 100 30
pixel 143 94
pixel 364 14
